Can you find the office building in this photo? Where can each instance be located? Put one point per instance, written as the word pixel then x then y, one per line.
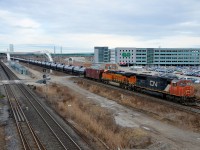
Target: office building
pixel 101 54
pixel 150 56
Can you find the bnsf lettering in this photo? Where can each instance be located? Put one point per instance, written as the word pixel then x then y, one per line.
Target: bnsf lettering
pixel 154 83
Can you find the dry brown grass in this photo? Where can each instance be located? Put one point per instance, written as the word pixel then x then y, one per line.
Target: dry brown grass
pixel 197 90
pixel 159 111
pixel 94 119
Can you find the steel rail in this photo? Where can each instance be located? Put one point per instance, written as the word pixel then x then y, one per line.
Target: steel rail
pixel 20 119
pixel 27 135
pixel 10 73
pixel 49 119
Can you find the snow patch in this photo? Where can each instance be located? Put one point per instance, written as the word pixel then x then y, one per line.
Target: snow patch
pixel 125 121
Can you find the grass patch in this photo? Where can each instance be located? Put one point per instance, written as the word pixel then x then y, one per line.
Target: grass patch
pixel 2 96
pixel 157 110
pixel 94 119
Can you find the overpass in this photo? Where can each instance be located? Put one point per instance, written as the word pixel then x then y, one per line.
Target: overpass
pixel 46 54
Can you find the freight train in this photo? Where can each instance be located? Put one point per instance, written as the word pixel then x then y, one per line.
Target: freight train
pixel 180 91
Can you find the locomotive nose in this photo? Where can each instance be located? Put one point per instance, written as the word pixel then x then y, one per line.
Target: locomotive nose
pixel 189 91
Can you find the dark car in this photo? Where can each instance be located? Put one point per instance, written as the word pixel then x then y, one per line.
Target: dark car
pixel 196 74
pixel 189 73
pixel 169 76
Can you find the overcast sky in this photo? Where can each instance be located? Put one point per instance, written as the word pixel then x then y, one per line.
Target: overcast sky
pixel 79 25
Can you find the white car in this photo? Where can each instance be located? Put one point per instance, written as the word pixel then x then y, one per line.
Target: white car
pixel 192 79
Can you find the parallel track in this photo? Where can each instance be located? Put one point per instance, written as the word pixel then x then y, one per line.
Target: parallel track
pixel 28 138
pixel 64 139
pixel 60 139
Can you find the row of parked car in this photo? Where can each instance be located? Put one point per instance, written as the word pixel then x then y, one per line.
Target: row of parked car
pixel 189 71
pixel 192 73
pixel 175 72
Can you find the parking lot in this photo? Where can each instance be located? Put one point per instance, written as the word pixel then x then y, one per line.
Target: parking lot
pixel 187 72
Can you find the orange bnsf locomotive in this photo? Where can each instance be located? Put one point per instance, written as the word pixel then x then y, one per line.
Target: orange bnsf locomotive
pixel 180 91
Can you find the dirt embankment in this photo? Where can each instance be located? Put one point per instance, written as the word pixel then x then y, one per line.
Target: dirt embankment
pixel 93 119
pixel 157 110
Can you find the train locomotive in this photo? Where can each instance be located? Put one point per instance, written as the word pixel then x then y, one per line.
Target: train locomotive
pixel 180 91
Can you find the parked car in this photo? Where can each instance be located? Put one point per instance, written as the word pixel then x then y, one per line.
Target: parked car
pixel 192 79
pixel 196 74
pixel 189 73
pixel 169 76
pixel 178 72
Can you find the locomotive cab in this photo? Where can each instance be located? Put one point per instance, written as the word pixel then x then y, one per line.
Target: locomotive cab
pixel 182 88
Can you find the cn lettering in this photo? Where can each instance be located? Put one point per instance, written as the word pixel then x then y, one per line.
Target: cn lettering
pixel 153 83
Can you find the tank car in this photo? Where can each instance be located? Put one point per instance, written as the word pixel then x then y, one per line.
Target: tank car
pixel 39 63
pixel 69 69
pixel 76 70
pixel 43 63
pixel 48 65
pixel 60 67
pixel 65 68
pixel 81 71
pixel 53 66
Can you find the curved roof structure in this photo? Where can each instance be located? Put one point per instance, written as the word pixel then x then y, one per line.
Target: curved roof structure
pixel 80 59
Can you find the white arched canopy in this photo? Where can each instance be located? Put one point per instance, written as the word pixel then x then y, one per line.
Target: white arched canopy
pixel 49 57
pixel 8 56
pixel 46 54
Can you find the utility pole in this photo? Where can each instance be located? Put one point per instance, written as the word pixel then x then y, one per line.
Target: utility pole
pixel 54 48
pixel 60 54
pixel 61 49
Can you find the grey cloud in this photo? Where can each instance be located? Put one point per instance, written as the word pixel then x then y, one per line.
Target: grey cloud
pixel 147 19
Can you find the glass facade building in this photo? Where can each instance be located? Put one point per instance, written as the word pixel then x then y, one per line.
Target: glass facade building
pixel 101 54
pixel 167 56
pixel 149 56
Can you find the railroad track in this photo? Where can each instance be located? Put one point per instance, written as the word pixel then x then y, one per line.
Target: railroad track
pixel 9 74
pixel 61 135
pixel 60 139
pixel 27 135
pixel 192 109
